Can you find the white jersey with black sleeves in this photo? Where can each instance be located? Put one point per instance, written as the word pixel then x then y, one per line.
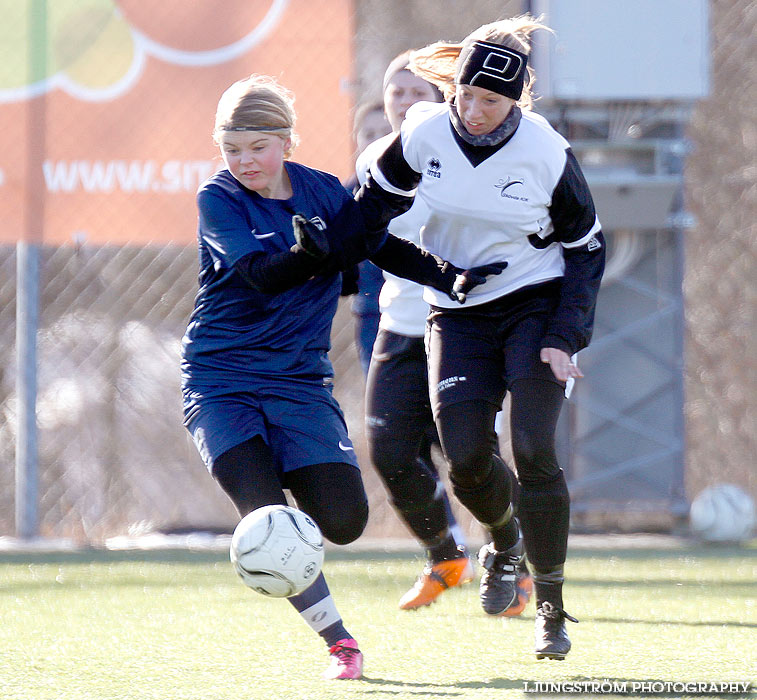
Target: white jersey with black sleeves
pixel 403 310
pixel 522 204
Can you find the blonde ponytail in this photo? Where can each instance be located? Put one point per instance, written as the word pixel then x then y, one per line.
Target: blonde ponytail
pixel 437 63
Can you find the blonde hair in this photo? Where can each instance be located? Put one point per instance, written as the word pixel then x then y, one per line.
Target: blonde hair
pixel 258 101
pixel 437 63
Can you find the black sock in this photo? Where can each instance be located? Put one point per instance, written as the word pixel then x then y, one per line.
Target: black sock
pixel 505 536
pixel 544 514
pixel 444 550
pixel 548 586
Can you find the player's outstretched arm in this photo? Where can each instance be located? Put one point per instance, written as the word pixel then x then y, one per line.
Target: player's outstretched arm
pixel 403 258
pixel 272 274
pixel 345 242
pixel 396 255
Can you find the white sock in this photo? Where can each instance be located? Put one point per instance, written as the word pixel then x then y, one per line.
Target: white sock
pixel 322 614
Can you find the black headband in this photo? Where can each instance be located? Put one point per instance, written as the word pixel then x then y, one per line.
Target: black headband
pixel 492 67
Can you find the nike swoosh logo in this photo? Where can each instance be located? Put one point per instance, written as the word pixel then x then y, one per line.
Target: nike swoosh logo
pixel 263 235
pixel 345 448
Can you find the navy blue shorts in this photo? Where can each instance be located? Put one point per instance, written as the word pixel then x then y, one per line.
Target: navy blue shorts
pixel 476 353
pixel 301 422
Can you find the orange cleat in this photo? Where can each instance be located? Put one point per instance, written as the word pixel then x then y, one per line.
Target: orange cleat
pixel 524 586
pixel 435 579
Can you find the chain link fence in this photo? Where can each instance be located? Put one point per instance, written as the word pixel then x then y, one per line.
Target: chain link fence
pixel 720 284
pixel 113 456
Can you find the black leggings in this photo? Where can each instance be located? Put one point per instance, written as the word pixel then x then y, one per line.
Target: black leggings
pixel 465 429
pixel 481 483
pixel 332 494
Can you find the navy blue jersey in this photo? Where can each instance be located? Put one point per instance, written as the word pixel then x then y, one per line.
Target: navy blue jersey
pixel 238 336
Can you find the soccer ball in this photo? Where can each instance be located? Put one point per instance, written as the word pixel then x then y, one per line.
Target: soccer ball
pixel 722 513
pixel 277 551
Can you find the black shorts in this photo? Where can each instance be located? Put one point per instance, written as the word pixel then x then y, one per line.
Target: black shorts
pixel 397 399
pixel 478 352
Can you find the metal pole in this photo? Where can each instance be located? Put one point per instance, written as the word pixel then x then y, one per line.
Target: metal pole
pixel 27 284
pixel 27 318
pixel 679 504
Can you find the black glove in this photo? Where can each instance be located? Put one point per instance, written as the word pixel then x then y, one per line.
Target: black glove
pixel 310 238
pixel 465 280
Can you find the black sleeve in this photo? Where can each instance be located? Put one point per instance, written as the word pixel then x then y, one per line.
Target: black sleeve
pixel 403 258
pixel 378 205
pixel 573 217
pixel 276 273
pixel 351 238
pixel 396 169
pixel 572 208
pixel 350 281
pixel 571 326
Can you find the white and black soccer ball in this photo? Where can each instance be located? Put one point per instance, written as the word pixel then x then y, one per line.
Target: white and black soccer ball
pixel 277 551
pixel 722 513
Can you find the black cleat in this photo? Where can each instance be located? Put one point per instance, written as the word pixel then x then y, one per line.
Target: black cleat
pixel 498 590
pixel 550 635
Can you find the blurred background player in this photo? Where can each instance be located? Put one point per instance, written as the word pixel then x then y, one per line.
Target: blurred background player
pixel 256 378
pixel 400 426
pixel 365 280
pixel 500 184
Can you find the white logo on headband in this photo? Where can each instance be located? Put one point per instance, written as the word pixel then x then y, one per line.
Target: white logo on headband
pixel 501 64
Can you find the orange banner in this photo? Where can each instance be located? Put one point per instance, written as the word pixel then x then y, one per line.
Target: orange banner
pixel 107 107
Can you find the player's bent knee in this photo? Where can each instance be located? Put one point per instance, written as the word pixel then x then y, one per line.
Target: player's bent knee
pixel 534 452
pixel 344 522
pixel 535 461
pixel 470 469
pixel 346 525
pixel 334 496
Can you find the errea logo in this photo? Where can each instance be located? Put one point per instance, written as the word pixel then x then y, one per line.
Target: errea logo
pixel 504 185
pixel 593 244
pixel 434 168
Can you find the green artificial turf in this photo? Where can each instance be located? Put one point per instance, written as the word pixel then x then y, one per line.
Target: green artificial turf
pixel 180 625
